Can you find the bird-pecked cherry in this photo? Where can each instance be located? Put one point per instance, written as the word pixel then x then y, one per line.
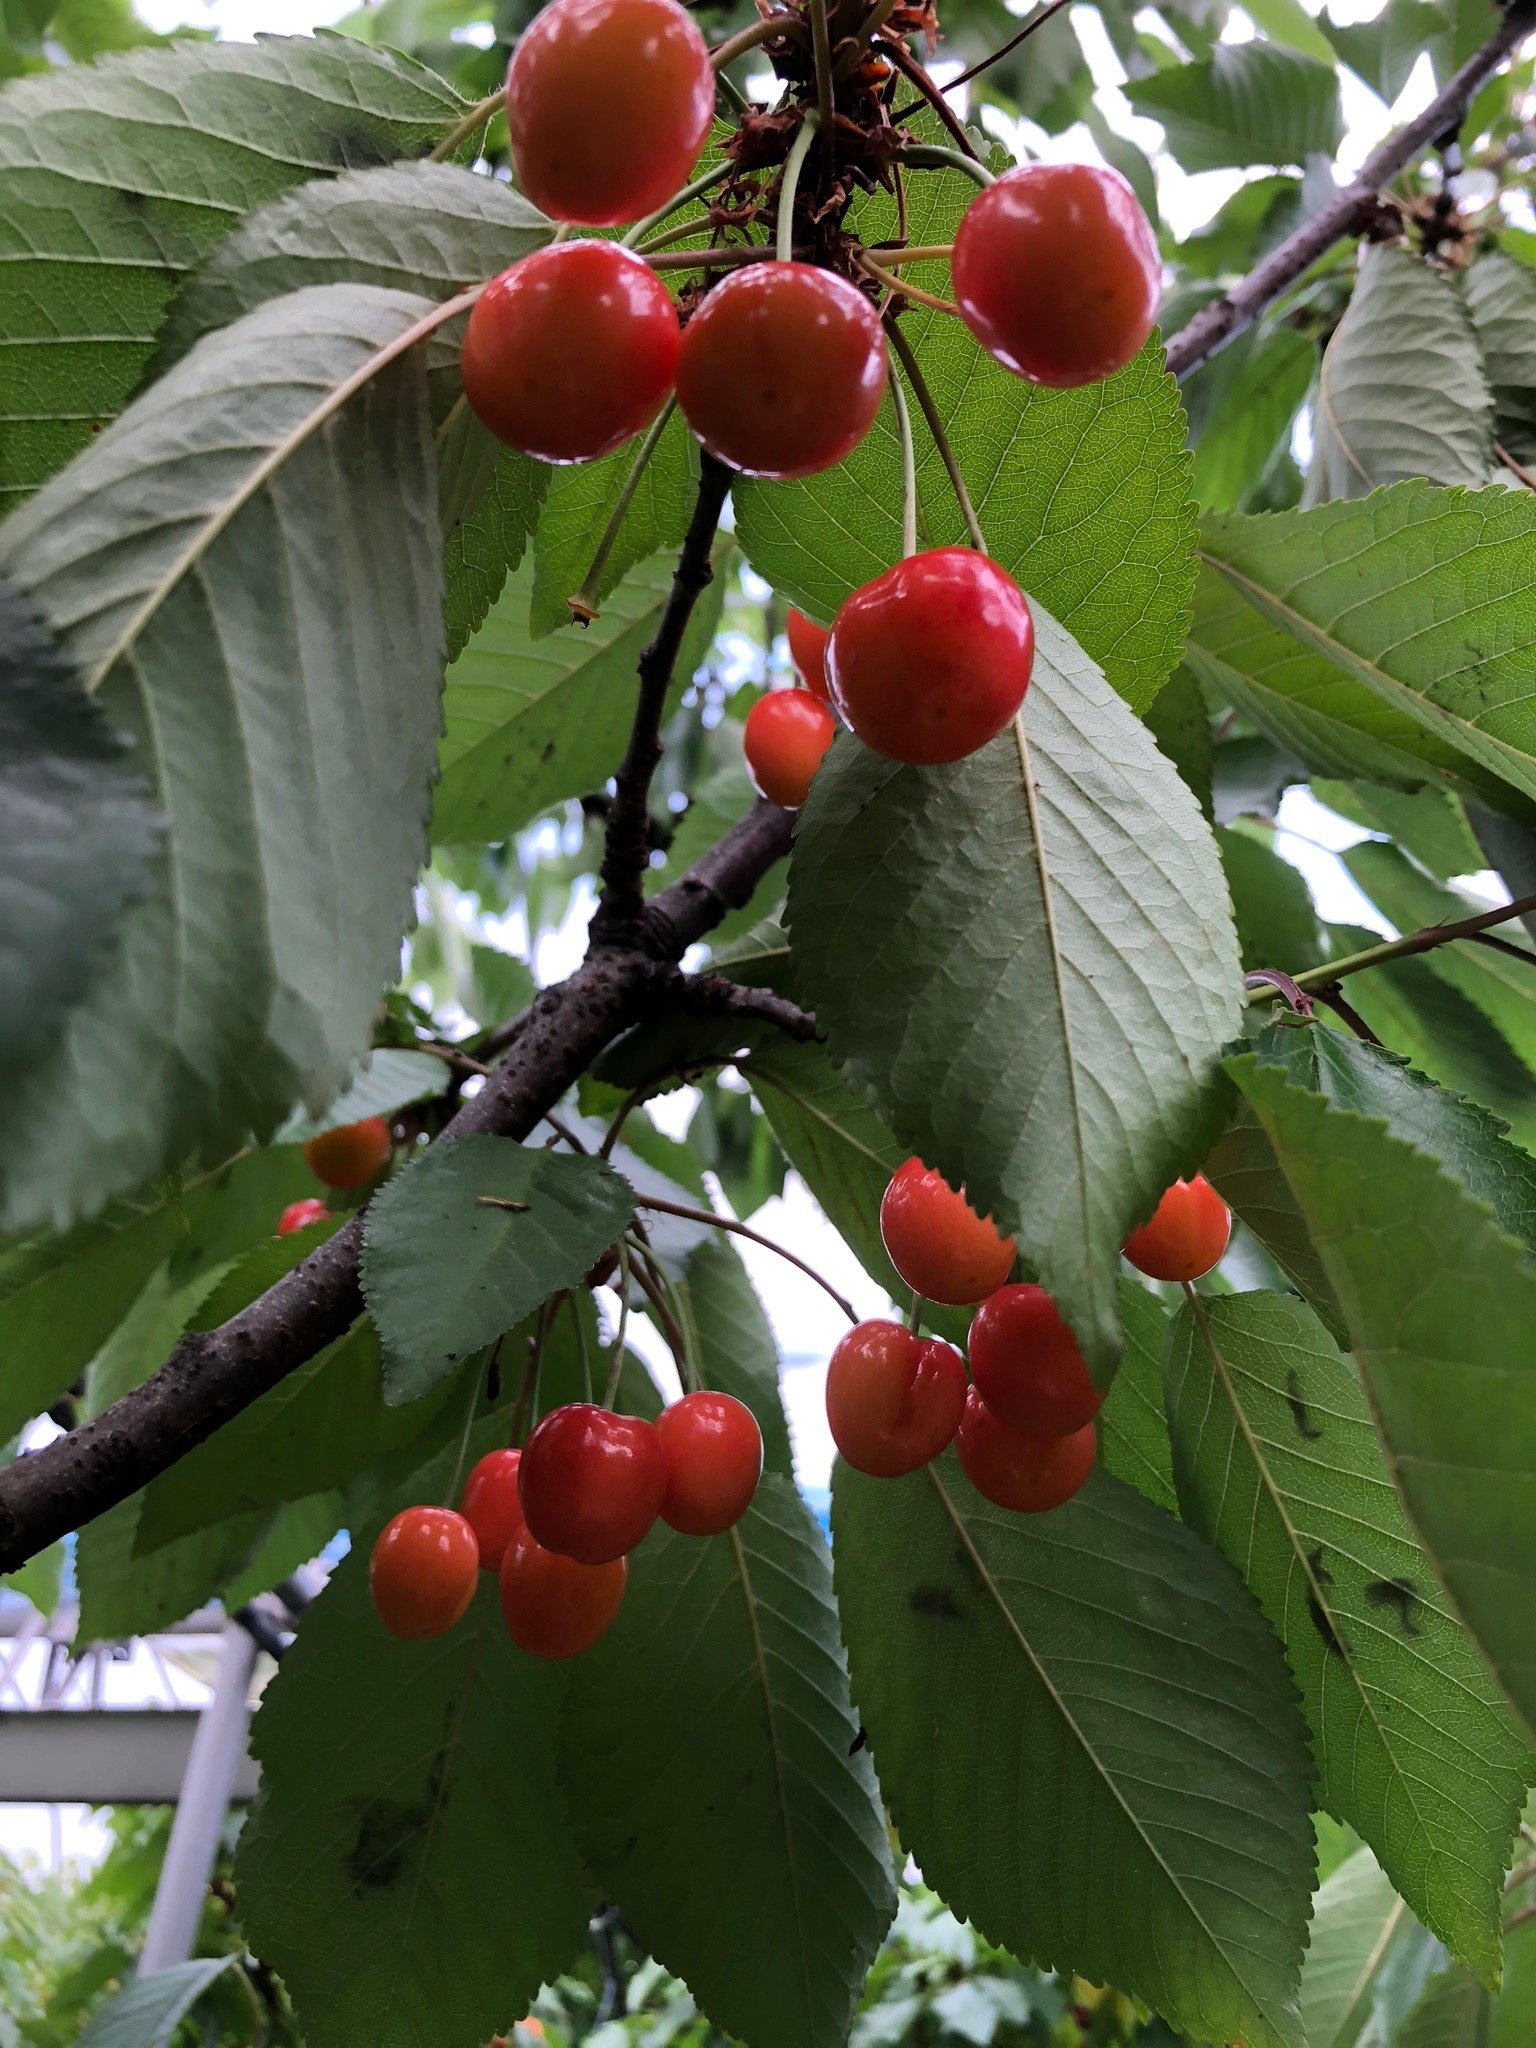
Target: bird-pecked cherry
pixel 936 1241
pixel 1186 1234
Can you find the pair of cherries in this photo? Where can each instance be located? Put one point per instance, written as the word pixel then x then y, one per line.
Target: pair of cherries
pixel 347 1157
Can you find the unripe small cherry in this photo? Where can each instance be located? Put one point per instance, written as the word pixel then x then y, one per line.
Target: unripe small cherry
pixel 299 1215
pixel 714 1456
pixel 894 1399
pixel 786 734
pixel 1027 1365
pixel 1186 1234
pixel 936 1241
pixel 591 1482
pixel 1014 1468
pixel 492 1506
pixel 351 1154
pixel 808 651
pixel 422 1572
pixel 554 1606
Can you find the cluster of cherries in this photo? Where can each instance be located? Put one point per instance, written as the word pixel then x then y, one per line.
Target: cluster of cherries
pixel 780 367
pixel 1023 1426
pixel 347 1157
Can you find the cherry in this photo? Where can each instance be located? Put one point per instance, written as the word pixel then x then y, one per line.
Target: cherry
pixel 894 1399
pixel 931 660
pixel 1027 1366
pixel 491 1505
pixel 936 1241
pixel 808 651
pixel 1017 1469
pixel 351 1154
pixel 781 369
pixel 1186 1236
pixel 609 102
pixel 1056 272
pixel 785 736
pixel 422 1572
pixel 555 1607
pixel 571 351
pixel 714 1455
pixel 591 1482
pixel 299 1215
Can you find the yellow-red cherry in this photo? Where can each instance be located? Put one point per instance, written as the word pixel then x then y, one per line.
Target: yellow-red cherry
pixel 553 1606
pixel 781 369
pixel 351 1154
pixel 785 736
pixel 1186 1234
pixel 936 1241
pixel 491 1505
pixel 1056 272
pixel 714 1456
pixel 894 1399
pixel 1027 1365
pixel 299 1215
pixel 1015 1468
pixel 808 651
pixel 591 1482
pixel 572 351
pixel 931 660
pixel 608 102
pixel 422 1572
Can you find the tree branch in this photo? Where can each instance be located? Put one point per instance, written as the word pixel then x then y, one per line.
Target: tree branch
pixel 1344 214
pixel 1321 979
pixel 711 995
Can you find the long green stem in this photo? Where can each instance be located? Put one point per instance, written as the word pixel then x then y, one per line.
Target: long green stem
pixel 616 1369
pixel 585 603
pixel 1424 941
pixel 871 25
pixel 903 290
pixel 461 131
pixel 930 412
pixel 760 32
pixel 473 1377
pixel 821 47
pixel 696 190
pixel 799 149
pixel 908 468
pixel 933 156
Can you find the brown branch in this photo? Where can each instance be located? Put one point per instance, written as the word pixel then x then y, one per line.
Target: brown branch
pixel 897 53
pixel 993 57
pixel 711 995
pixel 1321 979
pixel 690 1214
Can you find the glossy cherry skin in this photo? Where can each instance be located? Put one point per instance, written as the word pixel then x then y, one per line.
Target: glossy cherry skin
pixel 609 102
pixel 1016 1469
pixel 299 1215
pixel 894 1400
pixel 1027 1366
pixel 553 1606
pixel 936 1241
pixel 422 1572
pixel 351 1154
pixel 1186 1236
pixel 1056 272
pixel 492 1505
pixel 571 351
pixel 808 651
pixel 785 736
pixel 591 1482
pixel 781 370
pixel 714 1455
pixel 931 660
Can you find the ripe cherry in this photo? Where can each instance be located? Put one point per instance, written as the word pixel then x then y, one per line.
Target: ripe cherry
pixel 894 1399
pixel 936 1241
pixel 1027 1366
pixel 1186 1236
pixel 571 351
pixel 555 1607
pixel 591 1482
pixel 808 651
pixel 785 736
pixel 609 102
pixel 931 660
pixel 422 1572
pixel 491 1505
pixel 1017 1469
pixel 1056 272
pixel 781 369
pixel 299 1215
pixel 351 1154
pixel 714 1456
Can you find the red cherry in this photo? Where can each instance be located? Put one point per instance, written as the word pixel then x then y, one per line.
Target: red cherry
pixel 555 1607
pixel 422 1572
pixel 1027 1366
pixel 351 1154
pixel 932 659
pixel 1188 1232
pixel 299 1215
pixel 491 1505
pixel 1016 1469
pixel 609 102
pixel 936 1241
pixel 808 651
pixel 714 1454
pixel 781 369
pixel 894 1400
pixel 571 351
pixel 1056 272
pixel 591 1482
pixel 785 736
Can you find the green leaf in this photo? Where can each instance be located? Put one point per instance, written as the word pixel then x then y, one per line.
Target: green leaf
pixel 1276 923
pixel 38 1580
pixel 288 719
pixel 578 504
pixel 1288 22
pixel 1083 1706
pixel 1428 823
pixel 1384 51
pixel 1454 2012
pixel 390 1080
pixel 148 2011
pixel 1044 972
pixel 1241 409
pixel 1500 295
pixel 1133 1429
pixel 1367 1960
pixel 1252 103
pixel 758 1802
pixel 732 1342
pixel 1180 722
pixel 445 1271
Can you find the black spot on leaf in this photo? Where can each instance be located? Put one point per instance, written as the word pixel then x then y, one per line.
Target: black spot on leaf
pixel 860 1741
pixel 937 1601
pixel 385 1835
pixel 1400 1595
pixel 1320 1580
pixel 1301 1415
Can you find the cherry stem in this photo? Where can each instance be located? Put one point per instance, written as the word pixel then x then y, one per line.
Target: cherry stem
pixel 729 1223
pixel 649 1279
pixel 1522 1874
pixel 933 156
pixel 915 1318
pixel 759 32
pixel 799 149
pixel 694 225
pixel 473 1376
pixel 919 252
pixel 919 75
pixel 695 190
pixel 930 412
pixel 732 93
pixel 904 290
pixel 461 131
pixel 1519 1919
pixel 1526 476
pixel 869 27
pixel 821 47
pixel 985 63
pixel 586 601
pixel 1424 941
pixel 908 467
pixel 581 1344
pixel 616 1369
pixel 704 259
